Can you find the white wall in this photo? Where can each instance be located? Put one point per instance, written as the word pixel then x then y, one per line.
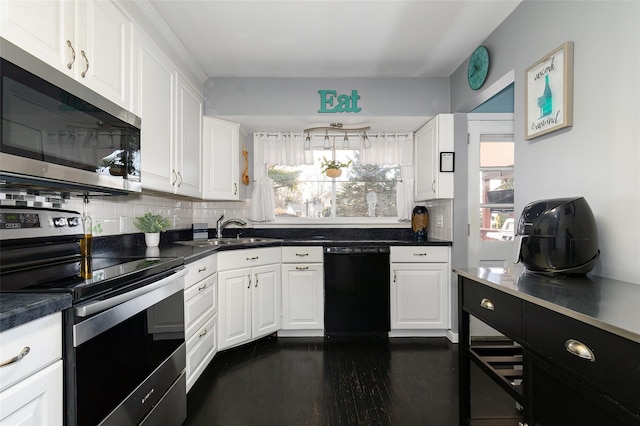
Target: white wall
pixel 599 157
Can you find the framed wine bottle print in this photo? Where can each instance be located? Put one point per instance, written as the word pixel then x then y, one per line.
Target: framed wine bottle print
pixel 548 93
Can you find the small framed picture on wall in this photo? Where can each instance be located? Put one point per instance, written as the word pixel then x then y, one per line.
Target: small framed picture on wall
pixel 549 93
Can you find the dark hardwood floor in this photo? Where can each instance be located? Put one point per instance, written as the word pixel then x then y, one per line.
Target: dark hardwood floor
pixel 333 381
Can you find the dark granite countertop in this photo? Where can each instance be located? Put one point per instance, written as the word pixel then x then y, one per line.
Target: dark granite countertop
pixel 19 308
pixel 610 305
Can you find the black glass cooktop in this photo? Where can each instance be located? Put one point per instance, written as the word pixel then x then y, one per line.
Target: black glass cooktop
pixel 90 277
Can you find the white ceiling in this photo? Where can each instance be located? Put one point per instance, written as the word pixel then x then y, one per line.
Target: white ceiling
pixel 331 38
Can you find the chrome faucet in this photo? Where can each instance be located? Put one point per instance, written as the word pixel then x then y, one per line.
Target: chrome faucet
pixel 220 225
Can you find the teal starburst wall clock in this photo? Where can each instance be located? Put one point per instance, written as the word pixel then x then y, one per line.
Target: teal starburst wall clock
pixel 478 67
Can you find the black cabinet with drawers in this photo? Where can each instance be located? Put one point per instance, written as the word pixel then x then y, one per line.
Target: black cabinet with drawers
pixel 570 358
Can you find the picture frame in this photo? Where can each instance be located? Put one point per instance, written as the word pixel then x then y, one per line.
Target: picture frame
pixel 447 161
pixel 548 93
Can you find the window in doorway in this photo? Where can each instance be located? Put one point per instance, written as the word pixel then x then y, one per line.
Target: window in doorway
pixel 497 220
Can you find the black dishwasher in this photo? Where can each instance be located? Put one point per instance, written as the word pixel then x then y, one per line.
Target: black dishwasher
pixel 356 290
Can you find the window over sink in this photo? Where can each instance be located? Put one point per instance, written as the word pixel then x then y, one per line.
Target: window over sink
pixel 361 188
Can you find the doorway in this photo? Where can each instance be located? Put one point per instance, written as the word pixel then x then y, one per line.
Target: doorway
pixel 491 166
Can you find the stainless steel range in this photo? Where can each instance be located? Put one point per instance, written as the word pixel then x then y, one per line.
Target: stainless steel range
pixel 124 348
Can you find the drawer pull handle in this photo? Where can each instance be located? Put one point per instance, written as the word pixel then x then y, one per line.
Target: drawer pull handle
pixel 203 333
pixel 253 258
pixel 577 348
pixel 202 269
pixel 302 268
pixel 302 254
pixel 487 304
pixel 202 288
pixel 419 254
pixel 18 357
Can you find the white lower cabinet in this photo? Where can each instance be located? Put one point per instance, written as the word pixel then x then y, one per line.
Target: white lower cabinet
pixel 31 386
pixel 420 281
pixel 36 400
pixel 250 295
pixel 302 291
pixel 201 316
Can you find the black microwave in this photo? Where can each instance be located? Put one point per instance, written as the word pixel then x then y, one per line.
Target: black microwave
pixel 57 133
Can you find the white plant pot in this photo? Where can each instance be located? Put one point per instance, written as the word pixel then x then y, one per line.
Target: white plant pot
pixel 152 239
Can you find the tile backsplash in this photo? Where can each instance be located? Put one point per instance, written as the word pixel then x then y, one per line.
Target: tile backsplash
pixel 113 215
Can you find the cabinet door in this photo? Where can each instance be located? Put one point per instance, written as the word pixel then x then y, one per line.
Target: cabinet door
pixel 433 138
pixel 189 140
pixel 303 296
pixel 419 294
pixel 234 316
pixel 154 102
pixel 221 159
pixel 266 300
pixel 36 400
pixel 103 50
pixel 41 28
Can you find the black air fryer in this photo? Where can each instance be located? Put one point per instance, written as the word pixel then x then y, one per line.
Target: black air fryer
pixel 558 236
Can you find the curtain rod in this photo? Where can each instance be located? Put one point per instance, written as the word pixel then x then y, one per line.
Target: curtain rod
pixel 335 133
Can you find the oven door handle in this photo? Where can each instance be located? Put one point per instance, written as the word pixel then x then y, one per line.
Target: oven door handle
pixel 95 307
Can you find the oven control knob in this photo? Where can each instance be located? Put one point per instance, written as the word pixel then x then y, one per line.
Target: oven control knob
pixel 73 221
pixel 59 222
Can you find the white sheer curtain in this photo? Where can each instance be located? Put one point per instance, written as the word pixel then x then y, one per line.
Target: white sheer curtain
pixel 283 148
pixel 388 148
pixel 404 199
pixel 262 207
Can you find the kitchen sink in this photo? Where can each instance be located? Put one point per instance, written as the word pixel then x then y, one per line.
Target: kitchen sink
pixel 214 242
pixel 207 243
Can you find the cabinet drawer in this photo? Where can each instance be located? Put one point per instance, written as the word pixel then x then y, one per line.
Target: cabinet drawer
pixel 199 270
pixel 419 254
pixel 248 258
pixel 614 369
pixel 36 400
pixel 43 337
pixel 199 304
pixel 302 254
pixel 201 348
pixel 499 310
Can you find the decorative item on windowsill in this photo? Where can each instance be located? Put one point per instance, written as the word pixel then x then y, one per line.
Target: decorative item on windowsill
pixel 333 168
pixel 420 223
pixel 152 225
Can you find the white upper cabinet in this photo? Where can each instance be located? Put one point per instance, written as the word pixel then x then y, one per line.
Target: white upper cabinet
pixel 432 139
pixel 154 102
pixel 171 113
pixel 87 40
pixel 188 145
pixel 221 153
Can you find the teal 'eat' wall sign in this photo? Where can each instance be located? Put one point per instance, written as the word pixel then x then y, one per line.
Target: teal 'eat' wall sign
pixel 330 101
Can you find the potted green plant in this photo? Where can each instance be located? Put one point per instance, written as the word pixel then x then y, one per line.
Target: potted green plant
pixel 152 225
pixel 332 168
